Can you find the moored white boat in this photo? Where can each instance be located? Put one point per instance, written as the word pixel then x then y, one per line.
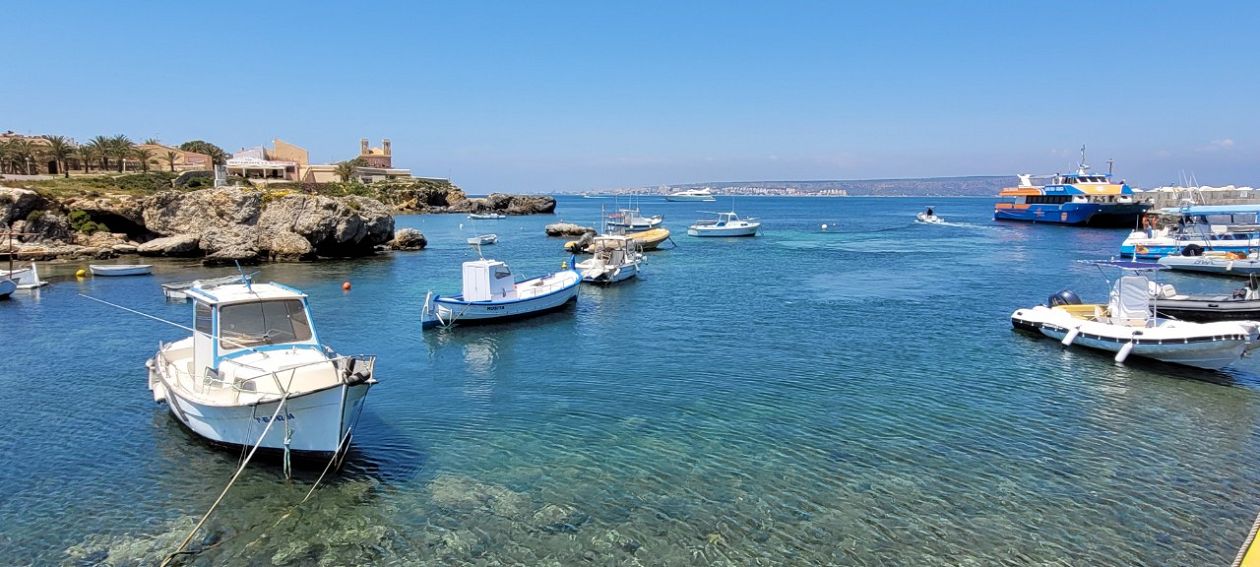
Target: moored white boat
pixel 177 290
pixel 24 278
pixel 1195 229
pixel 491 294
pixel 615 258
pixel 1220 263
pixel 121 269
pixel 692 195
pixel 727 224
pixel 7 287
pixel 1126 326
pixel 632 220
pixel 487 216
pixel 255 354
pixel 483 239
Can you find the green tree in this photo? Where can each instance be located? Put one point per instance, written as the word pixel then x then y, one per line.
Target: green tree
pixel 217 155
pixel 24 153
pixel 100 148
pixel 142 154
pixel 170 158
pixel 345 169
pixel 87 153
pixel 6 154
pixel 152 142
pixel 61 149
pixel 121 147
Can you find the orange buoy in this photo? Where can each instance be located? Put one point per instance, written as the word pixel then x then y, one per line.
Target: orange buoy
pixel 345 286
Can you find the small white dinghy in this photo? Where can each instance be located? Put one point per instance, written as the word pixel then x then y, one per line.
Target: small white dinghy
pixel 727 224
pixel 491 294
pixel 487 216
pixel 255 357
pixel 1126 326
pixel 111 270
pixel 928 217
pixel 615 259
pixel 483 239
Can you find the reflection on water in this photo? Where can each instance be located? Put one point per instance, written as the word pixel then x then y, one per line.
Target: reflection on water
pixel 851 397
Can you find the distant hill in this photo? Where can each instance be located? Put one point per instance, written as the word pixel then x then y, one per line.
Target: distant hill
pixel 975 185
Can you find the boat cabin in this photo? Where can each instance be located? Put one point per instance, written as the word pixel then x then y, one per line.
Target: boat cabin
pixel 238 319
pixel 488 280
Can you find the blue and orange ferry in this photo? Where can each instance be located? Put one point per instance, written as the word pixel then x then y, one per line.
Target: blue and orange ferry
pixel 1080 198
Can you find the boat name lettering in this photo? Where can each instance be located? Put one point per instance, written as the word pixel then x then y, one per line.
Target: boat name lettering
pixel 285 417
pixel 494 307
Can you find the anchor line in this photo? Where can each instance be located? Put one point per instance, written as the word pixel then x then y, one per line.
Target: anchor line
pixel 179 550
pixel 1251 538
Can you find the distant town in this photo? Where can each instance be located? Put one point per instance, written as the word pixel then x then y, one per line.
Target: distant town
pixel 933 186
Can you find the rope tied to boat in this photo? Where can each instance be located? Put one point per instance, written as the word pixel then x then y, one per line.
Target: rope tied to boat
pixel 180 550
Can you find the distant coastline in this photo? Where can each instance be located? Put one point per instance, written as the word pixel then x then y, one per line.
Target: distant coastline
pixel 959 186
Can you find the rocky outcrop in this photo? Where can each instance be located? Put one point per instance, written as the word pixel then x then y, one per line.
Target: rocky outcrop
pixel 201 212
pixel 408 239
pixel 121 213
pixel 179 246
pixel 45 227
pixel 441 196
pixel 567 229
pixel 17 204
pixel 521 204
pixel 351 226
pixel 287 246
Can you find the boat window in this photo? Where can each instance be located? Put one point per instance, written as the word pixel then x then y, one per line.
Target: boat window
pixel 502 272
pixel 263 323
pixel 203 318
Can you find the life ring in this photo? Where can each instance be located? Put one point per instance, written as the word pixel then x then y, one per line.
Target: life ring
pixel 1141 249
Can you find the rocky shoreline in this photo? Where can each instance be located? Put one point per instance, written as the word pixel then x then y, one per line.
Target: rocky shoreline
pixel 234 224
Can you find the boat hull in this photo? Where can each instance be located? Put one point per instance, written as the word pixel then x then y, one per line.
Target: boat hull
pixel 7 287
pixel 612 276
pixel 725 231
pixel 691 198
pixel 317 421
pixel 113 271
pixel 442 311
pixel 1210 346
pixel 1212 265
pixel 24 278
pixel 1081 214
pixel 1207 310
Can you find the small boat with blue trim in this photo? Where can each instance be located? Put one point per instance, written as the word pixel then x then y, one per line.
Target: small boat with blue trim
pixel 1128 325
pixel 1218 263
pixel 1195 230
pixel 491 294
pixel 629 220
pixel 118 270
pixel 727 224
pixel 255 358
pixel 1080 198
pixel 7 287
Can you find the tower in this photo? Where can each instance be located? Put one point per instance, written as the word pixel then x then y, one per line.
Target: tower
pixel 385 146
pixel 363 146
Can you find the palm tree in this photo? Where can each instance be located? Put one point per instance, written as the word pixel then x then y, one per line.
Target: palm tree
pixel 121 146
pixel 152 142
pixel 87 153
pixel 60 148
pixel 24 153
pixel 345 170
pixel 142 154
pixel 170 158
pixel 5 155
pixel 100 148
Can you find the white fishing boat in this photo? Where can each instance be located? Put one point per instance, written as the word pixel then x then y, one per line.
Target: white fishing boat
pixel 491 294
pixel 727 224
pixel 24 278
pixel 254 357
pixel 7 287
pixel 178 290
pixel 483 239
pixel 615 258
pixel 692 195
pixel 1220 263
pixel 928 217
pixel 1195 229
pixel 631 220
pixel 112 270
pixel 1126 326
pixel 487 216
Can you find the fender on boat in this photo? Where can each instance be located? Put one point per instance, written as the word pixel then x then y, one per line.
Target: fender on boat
pixel 1070 336
pixel 1124 352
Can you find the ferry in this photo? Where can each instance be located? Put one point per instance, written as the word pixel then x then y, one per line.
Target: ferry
pixel 1080 198
pixel 695 195
pixel 1193 230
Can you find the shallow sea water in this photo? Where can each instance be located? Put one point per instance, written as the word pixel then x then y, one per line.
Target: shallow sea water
pixel 848 397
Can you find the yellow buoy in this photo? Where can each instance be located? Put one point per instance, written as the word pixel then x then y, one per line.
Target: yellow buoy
pixel 81 273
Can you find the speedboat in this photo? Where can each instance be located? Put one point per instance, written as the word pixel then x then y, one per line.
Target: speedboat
pixel 694 195
pixel 178 290
pixel 1242 304
pixel 1126 326
pixel 25 278
pixel 631 220
pixel 491 294
pixel 487 216
pixel 483 239
pixel 1195 229
pixel 1080 198
pixel 615 259
pixel 254 358
pixel 1220 263
pixel 928 218
pixel 727 224
pixel 7 287
pixel 121 269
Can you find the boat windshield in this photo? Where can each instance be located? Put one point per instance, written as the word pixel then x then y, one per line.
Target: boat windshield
pixel 263 323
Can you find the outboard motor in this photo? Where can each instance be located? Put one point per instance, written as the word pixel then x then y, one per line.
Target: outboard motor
pixel 1064 297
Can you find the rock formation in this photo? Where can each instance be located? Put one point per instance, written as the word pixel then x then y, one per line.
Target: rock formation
pixel 567 229
pixel 408 239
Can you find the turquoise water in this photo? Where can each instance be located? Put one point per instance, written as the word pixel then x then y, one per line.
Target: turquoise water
pixel 851 397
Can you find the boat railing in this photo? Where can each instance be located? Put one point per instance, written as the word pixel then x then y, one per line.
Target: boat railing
pixel 282 378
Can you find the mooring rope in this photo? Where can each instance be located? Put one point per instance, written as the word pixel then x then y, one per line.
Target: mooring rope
pixel 236 475
pixel 1251 537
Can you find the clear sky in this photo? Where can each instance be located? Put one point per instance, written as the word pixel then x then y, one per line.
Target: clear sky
pixel 547 96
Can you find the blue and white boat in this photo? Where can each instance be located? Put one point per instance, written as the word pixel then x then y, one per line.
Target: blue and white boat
pixel 1194 230
pixel 1080 198
pixel 491 294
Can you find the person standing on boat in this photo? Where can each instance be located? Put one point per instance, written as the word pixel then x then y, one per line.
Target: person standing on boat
pixel 930 213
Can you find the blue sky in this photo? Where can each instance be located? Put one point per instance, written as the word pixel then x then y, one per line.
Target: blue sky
pixel 547 96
